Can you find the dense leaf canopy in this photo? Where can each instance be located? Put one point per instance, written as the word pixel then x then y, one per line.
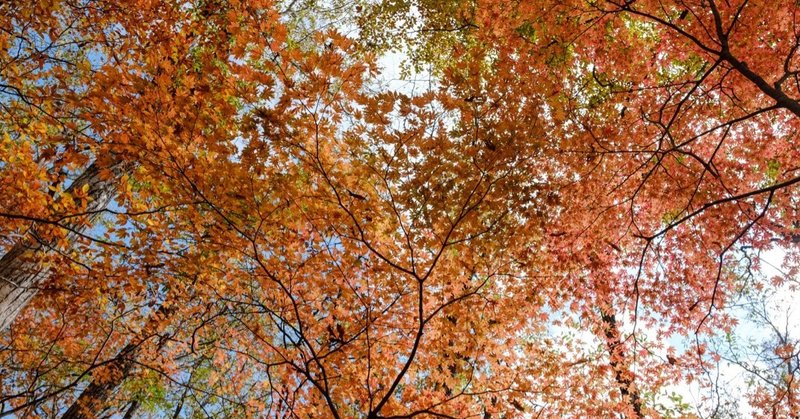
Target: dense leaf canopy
pixel 230 208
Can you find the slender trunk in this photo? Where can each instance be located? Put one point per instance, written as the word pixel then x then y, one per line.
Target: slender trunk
pixel 96 395
pixel 622 374
pixel 21 273
pixel 179 407
pixel 131 410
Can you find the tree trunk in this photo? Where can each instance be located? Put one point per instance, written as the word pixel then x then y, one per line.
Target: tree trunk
pixel 622 375
pixel 95 396
pixel 21 273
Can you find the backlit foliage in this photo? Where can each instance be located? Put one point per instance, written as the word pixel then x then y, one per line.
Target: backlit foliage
pixel 215 208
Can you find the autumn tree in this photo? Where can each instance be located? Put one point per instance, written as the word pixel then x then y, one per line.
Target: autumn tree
pixel 108 101
pixel 683 146
pixel 671 143
pixel 231 214
pixel 111 99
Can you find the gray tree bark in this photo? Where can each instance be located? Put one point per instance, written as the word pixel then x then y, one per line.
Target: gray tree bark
pixel 21 271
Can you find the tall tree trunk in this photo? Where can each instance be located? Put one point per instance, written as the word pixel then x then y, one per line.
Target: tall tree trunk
pixel 96 395
pixel 622 374
pixel 21 273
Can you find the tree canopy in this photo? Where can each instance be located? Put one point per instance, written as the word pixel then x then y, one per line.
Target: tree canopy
pixel 224 208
